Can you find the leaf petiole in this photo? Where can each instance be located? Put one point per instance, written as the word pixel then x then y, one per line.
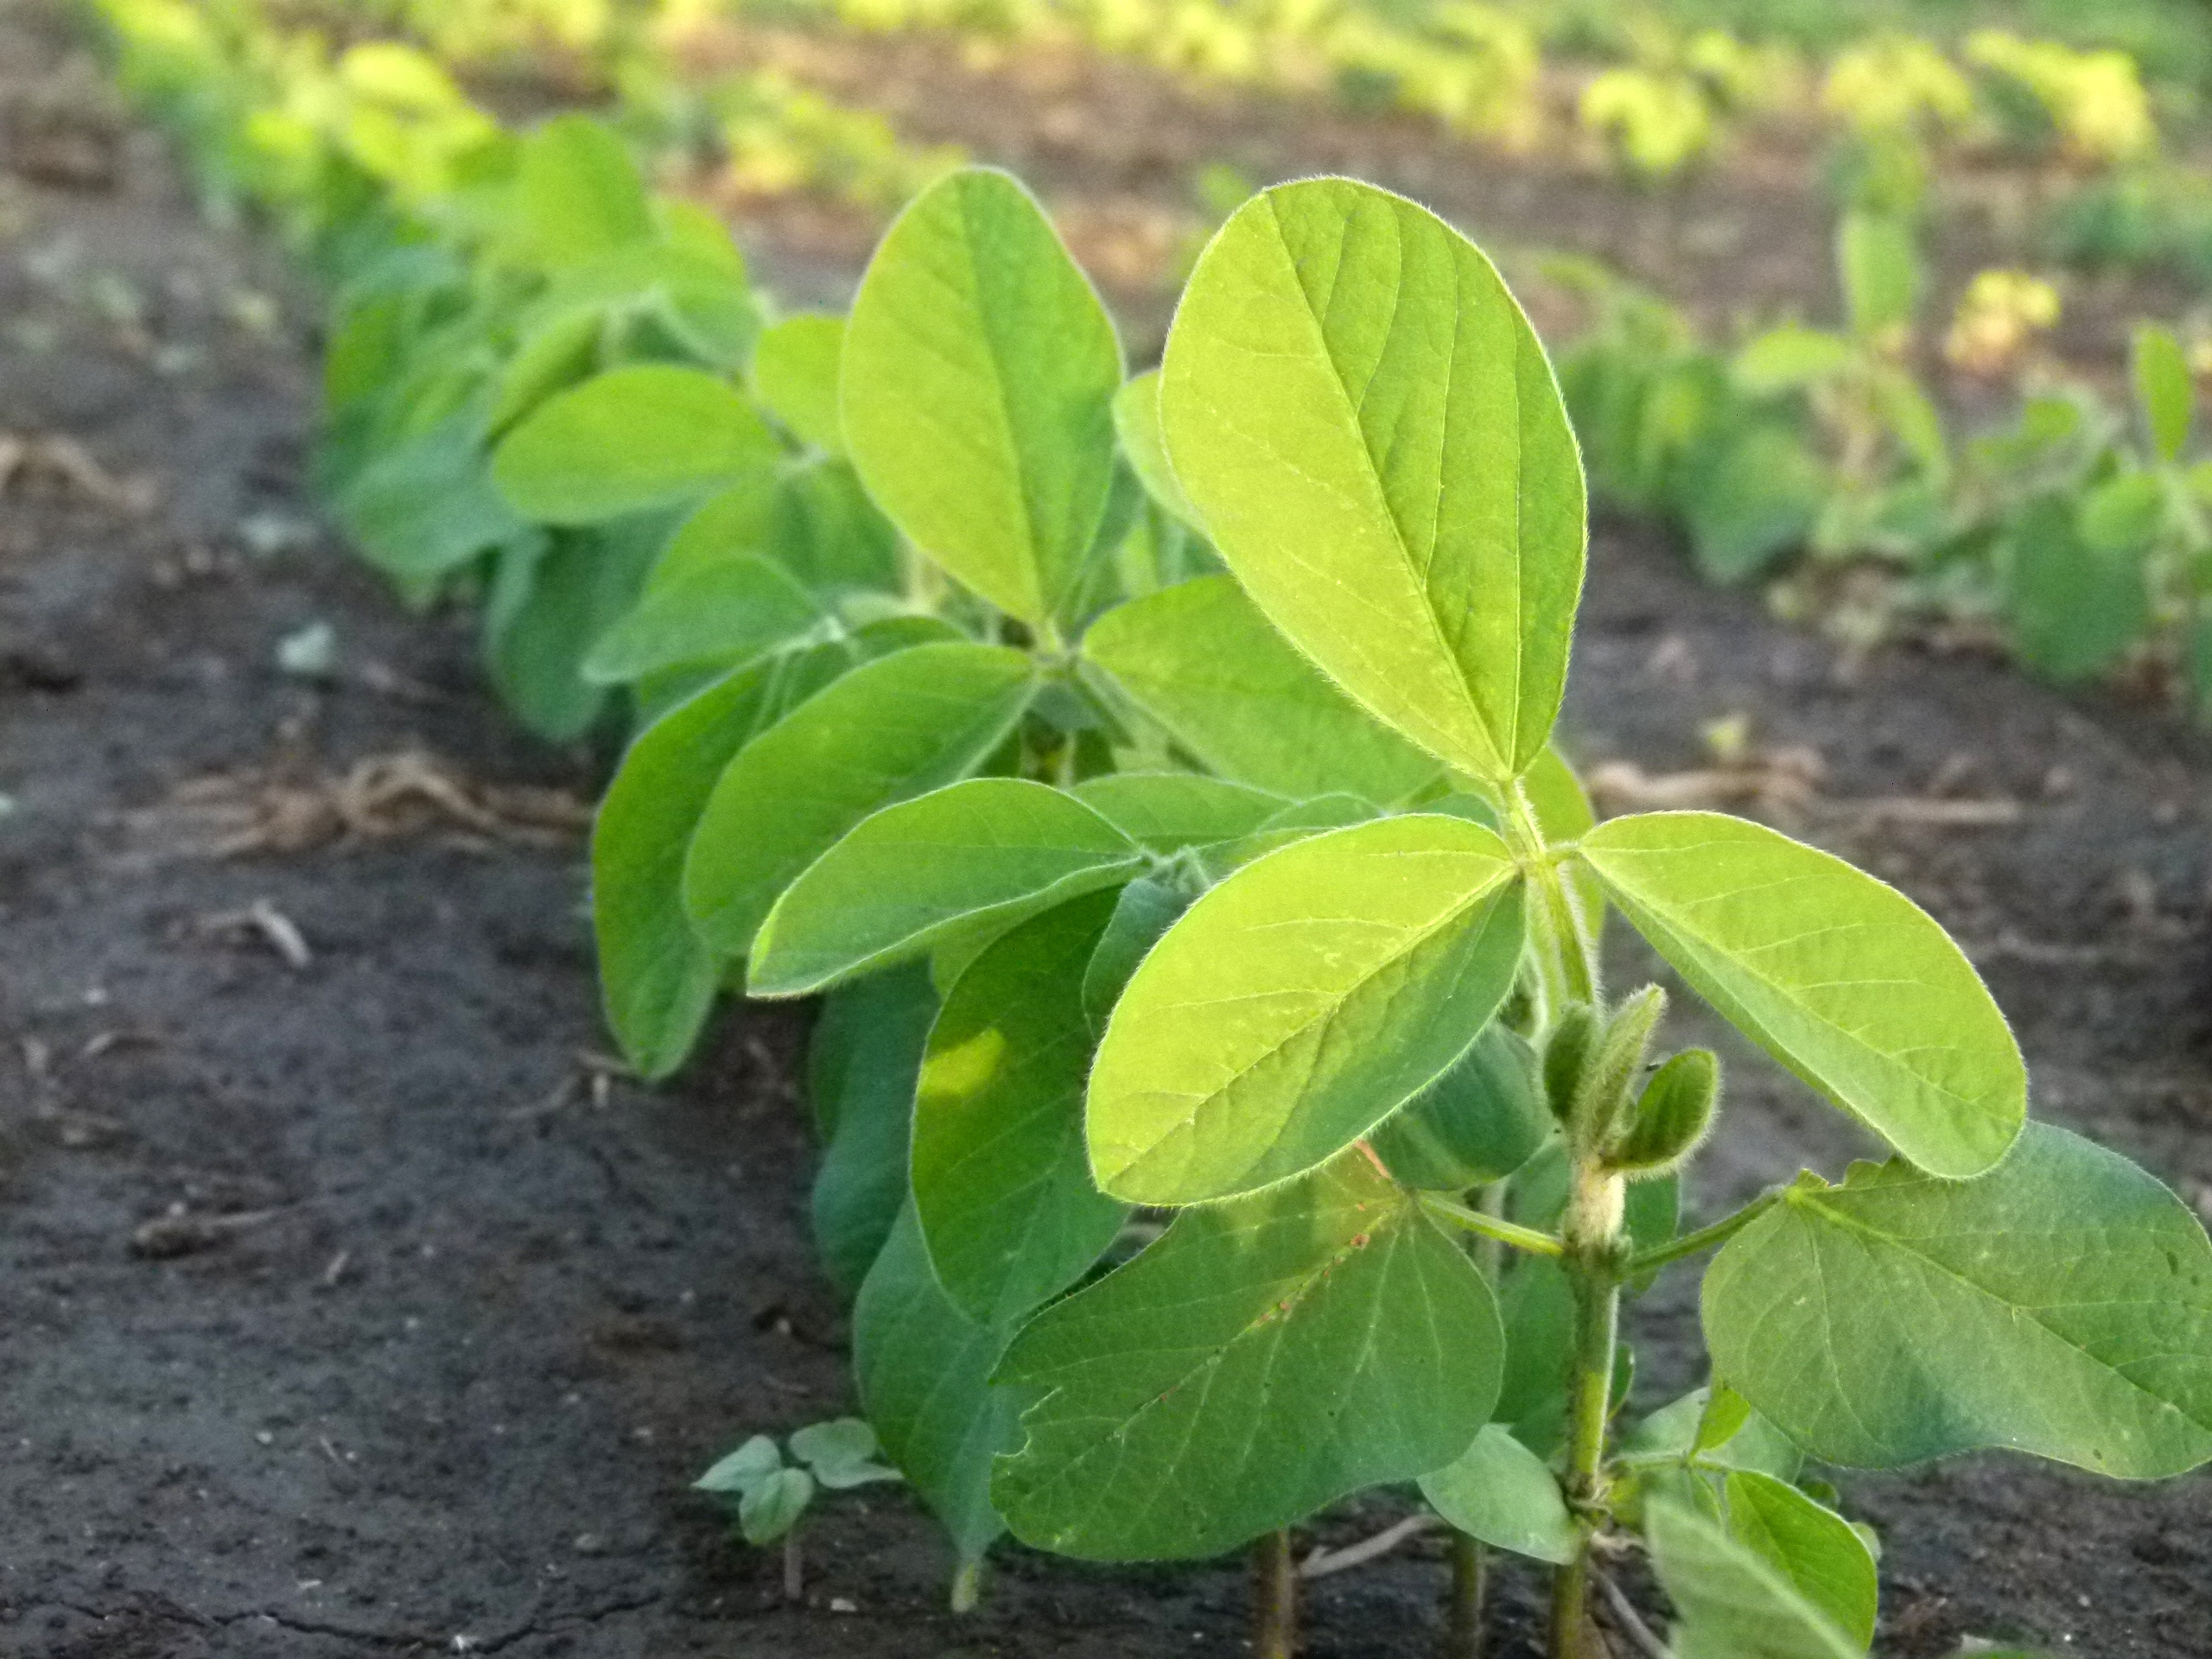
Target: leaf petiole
pixel 1704 1238
pixel 1496 1227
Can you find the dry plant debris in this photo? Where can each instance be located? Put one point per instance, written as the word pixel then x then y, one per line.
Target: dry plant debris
pixel 43 464
pixel 380 797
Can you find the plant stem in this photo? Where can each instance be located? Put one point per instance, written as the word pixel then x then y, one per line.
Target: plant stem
pixel 1463 1621
pixel 1274 1598
pixel 794 1568
pixel 967 1586
pixel 1704 1238
pixel 1562 940
pixel 1492 1227
pixel 1592 1262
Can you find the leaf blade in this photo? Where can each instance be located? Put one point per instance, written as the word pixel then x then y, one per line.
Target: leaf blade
pixel 1807 955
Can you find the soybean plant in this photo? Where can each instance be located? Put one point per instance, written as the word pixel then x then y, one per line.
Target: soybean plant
pixel 1368 429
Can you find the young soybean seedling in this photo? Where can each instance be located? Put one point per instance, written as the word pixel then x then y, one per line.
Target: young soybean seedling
pixel 766 1497
pixel 1369 431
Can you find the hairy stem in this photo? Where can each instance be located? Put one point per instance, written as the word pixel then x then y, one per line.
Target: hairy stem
pixel 1593 1240
pixel 1274 1598
pixel 1562 937
pixel 1463 1613
pixel 1704 1238
pixel 1494 1228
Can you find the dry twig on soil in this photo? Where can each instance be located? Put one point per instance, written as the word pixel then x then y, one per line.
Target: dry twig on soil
pixel 383 797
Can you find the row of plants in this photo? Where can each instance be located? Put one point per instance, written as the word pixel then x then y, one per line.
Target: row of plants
pixel 2074 535
pixel 1223 1110
pixel 1665 98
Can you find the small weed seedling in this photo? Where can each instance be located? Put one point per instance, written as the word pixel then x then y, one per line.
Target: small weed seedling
pixel 766 1496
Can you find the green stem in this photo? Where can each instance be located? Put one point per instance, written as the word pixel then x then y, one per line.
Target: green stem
pixel 1492 1227
pixel 1592 1237
pixel 1275 1597
pixel 1704 1238
pixel 1563 942
pixel 1463 1624
pixel 967 1586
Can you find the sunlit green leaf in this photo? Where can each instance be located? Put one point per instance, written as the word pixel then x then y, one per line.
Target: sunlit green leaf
pixel 578 191
pixel 649 435
pixel 1203 661
pixel 988 849
pixel 722 614
pixel 1001 1186
pixel 2164 388
pixel 795 372
pixel 1815 1549
pixel 1841 978
pixel 1166 810
pixel 1263 1358
pixel 979 377
pixel 2061 1305
pixel 1731 1602
pixel 1374 439
pixel 1136 422
pixel 900 726
pixel 1301 1003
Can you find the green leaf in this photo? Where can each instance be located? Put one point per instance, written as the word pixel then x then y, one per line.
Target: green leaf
pixel 1300 1003
pixel 2061 1305
pixel 1262 1359
pixel 902 726
pixel 578 191
pixel 1373 436
pixel 1819 1552
pixel 2075 605
pixel 657 978
pixel 1730 1602
pixel 989 849
pixel 1477 1123
pixel 862 1066
pixel 1146 908
pixel 1203 661
pixel 1001 1186
pixel 1136 422
pixel 1500 1491
pixel 924 1369
pixel 649 435
pixel 795 373
pixel 772 1507
pixel 2164 388
pixel 1841 977
pixel 425 507
pixel 1748 494
pixel 811 518
pixel 1165 811
pixel 716 615
pixel 841 1454
pixel 1790 359
pixel 980 370
pixel 743 1469
pixel 1881 267
pixel 551 598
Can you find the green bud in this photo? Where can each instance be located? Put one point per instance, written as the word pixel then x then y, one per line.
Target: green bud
pixel 1671 1117
pixel 1601 1102
pixel 1567 1055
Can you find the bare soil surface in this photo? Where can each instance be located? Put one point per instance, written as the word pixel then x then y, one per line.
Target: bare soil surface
pixel 347 1307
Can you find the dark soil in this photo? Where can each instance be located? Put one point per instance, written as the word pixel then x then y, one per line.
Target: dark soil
pixel 433 1330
